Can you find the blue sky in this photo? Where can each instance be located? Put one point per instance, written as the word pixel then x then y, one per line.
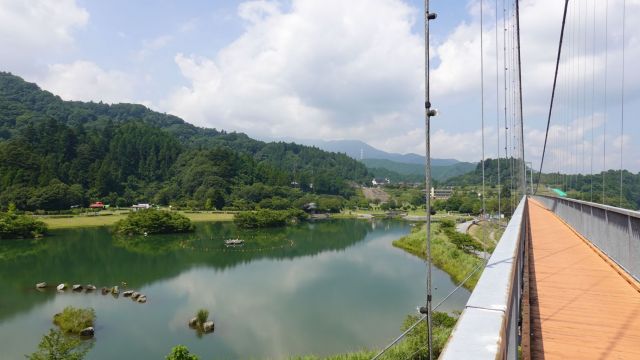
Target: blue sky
pixel 316 69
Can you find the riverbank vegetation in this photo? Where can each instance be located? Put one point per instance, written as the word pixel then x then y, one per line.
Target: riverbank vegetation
pixel 73 320
pixel 151 221
pixel 14 226
pixel 446 254
pixel 56 345
pixel 268 218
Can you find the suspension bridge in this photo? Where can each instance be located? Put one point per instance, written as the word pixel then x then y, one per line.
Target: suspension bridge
pixel 564 280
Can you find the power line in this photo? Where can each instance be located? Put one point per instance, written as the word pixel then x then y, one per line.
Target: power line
pixel 553 92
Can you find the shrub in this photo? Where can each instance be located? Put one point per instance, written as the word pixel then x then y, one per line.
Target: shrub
pixel 181 352
pixel 20 226
pixel 153 221
pixel 73 320
pixel 268 218
pixel 202 316
pixel 58 346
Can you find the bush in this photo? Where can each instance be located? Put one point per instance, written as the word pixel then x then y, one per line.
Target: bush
pixel 73 320
pixel 58 346
pixel 20 226
pixel 202 316
pixel 181 352
pixel 153 221
pixel 268 218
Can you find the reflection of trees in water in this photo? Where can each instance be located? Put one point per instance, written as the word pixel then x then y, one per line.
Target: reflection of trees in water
pixel 86 256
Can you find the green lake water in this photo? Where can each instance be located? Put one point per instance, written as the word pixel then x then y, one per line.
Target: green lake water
pixel 317 288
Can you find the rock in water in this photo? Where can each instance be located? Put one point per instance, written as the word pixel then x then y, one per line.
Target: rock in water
pixel 207 326
pixel 114 290
pixel 142 299
pixel 193 322
pixel 61 287
pixel 76 287
pixel 41 285
pixel 105 291
pixel 135 295
pixel 127 293
pixel 90 287
pixel 88 332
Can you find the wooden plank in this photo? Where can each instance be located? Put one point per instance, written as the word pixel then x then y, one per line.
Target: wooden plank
pixel 580 306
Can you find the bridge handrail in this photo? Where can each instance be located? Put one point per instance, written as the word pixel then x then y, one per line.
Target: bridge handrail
pixel 614 231
pixel 488 325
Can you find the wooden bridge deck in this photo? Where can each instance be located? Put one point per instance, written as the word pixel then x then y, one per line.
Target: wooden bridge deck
pixel 580 306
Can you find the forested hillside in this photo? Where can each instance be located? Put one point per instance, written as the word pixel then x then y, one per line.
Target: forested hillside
pixel 584 187
pixel 55 154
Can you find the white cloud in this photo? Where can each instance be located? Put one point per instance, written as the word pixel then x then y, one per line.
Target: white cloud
pixel 320 70
pixel 86 81
pixel 29 30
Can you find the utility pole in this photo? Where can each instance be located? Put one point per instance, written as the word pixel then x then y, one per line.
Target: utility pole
pixel 429 112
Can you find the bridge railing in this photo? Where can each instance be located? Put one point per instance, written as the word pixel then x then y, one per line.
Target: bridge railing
pixel 614 231
pixel 488 326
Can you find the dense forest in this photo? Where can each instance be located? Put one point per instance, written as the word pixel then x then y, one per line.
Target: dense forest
pixel 55 154
pixel 584 187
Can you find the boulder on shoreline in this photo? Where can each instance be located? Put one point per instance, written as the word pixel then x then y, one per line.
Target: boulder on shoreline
pixel 127 293
pixel 142 299
pixel 76 287
pixel 90 287
pixel 105 291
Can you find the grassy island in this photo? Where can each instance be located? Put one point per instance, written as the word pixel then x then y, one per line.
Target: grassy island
pixel 14 226
pixel 151 221
pixel 268 218
pixel 73 320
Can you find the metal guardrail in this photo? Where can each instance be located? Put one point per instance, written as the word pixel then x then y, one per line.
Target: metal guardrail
pixel 488 327
pixel 614 231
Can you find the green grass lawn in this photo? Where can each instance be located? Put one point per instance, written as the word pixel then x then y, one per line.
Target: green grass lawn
pixel 109 220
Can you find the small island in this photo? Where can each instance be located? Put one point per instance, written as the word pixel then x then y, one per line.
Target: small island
pixel 14 226
pixel 152 221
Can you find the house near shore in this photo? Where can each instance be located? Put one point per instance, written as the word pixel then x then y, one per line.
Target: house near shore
pixel 442 193
pixel 98 205
pixel 380 181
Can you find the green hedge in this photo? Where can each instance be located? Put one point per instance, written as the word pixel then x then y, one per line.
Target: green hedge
pixel 268 218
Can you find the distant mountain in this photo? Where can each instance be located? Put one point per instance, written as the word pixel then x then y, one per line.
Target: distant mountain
pixel 356 148
pixel 415 172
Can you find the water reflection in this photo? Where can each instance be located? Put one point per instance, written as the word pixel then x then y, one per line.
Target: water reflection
pixel 315 288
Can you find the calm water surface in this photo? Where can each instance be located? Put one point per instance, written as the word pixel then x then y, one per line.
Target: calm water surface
pixel 320 288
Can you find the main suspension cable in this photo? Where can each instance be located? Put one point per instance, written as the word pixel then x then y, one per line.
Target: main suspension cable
pixel 553 92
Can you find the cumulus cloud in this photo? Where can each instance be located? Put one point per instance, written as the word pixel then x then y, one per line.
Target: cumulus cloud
pixel 86 81
pixel 29 30
pixel 318 70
